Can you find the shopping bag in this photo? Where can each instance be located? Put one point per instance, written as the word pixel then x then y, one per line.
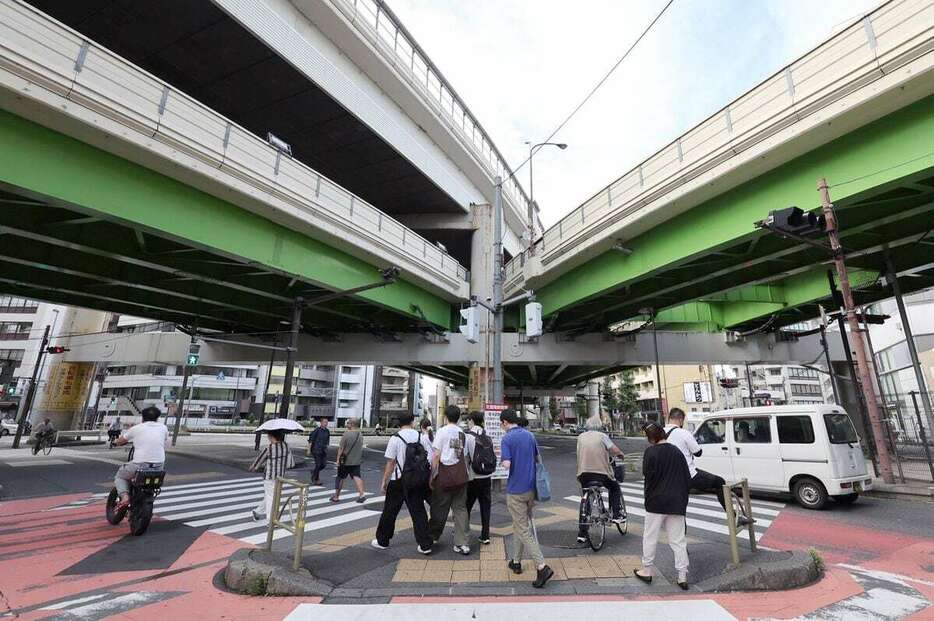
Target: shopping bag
pixel 542 483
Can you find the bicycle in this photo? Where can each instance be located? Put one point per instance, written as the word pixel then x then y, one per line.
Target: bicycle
pixel 595 514
pixel 43 443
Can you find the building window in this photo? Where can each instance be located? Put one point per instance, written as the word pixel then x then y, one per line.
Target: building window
pixel 10 304
pixel 11 354
pixel 800 372
pixel 15 330
pixel 805 389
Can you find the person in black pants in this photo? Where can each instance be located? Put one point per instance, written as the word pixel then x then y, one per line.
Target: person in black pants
pixel 479 487
pixel 318 442
pixel 397 495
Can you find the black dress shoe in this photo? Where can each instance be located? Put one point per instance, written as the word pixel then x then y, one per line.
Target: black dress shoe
pixel 683 585
pixel 642 577
pixel 515 566
pixel 544 575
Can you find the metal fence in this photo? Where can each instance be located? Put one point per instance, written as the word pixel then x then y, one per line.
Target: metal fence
pixel 908 435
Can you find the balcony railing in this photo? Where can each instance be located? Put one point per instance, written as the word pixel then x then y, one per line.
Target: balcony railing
pixel 38 49
pixel 893 35
pixel 379 25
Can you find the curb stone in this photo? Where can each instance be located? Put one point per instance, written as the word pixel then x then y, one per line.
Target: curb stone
pixel 258 572
pixel 798 569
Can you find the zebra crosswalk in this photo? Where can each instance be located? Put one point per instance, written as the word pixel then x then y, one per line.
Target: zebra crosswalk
pixel 703 513
pixel 225 507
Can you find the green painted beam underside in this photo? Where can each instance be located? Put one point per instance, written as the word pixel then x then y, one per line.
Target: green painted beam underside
pixel 52 164
pixel 757 301
pixel 866 158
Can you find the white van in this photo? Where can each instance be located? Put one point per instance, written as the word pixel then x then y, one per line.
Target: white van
pixel 809 451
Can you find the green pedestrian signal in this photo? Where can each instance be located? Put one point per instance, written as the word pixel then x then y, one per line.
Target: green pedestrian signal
pixel 194 351
pixel 192 360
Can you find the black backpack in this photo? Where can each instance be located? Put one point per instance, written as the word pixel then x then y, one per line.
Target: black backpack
pixel 484 457
pixel 416 471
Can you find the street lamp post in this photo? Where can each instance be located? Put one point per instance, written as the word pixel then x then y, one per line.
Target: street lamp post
pixel 532 150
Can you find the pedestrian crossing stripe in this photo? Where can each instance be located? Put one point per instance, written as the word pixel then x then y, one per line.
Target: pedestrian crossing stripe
pixel 697 510
pixel 225 507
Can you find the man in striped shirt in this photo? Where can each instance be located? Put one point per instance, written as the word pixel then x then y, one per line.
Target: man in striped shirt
pixel 274 459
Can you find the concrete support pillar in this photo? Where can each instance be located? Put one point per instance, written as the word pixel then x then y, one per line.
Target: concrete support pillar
pixel 65 385
pixel 593 398
pixel 481 285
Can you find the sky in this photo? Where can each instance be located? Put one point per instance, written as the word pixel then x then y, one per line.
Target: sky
pixel 522 66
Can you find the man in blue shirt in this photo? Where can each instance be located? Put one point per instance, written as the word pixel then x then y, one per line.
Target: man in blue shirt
pixel 519 454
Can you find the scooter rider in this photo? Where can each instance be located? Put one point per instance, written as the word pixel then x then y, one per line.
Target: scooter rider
pixel 150 439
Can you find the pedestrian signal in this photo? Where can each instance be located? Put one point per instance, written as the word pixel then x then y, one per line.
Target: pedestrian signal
pixel 470 324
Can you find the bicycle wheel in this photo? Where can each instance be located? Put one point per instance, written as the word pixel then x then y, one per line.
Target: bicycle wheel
pixel 623 527
pixel 47 447
pixel 596 533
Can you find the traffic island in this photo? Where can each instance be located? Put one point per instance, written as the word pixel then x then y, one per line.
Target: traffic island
pixel 253 571
pixel 774 571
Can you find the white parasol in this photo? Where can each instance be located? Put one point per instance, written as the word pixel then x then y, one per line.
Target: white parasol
pixel 280 424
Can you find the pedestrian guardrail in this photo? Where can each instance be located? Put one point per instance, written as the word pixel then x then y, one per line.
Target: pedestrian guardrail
pixel 746 500
pixel 296 522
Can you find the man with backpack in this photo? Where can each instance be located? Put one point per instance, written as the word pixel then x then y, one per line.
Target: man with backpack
pixel 405 481
pixel 453 451
pixel 482 466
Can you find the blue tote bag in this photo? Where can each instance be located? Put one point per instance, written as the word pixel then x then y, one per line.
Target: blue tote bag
pixel 542 482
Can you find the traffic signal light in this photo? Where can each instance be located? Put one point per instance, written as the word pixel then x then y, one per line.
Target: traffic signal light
pixel 470 324
pixel 729 382
pixel 796 221
pixel 56 349
pixel 533 319
pixel 194 350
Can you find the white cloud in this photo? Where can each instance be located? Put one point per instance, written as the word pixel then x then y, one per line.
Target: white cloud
pixel 522 66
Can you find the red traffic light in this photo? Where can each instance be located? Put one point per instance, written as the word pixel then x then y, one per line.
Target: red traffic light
pixel 56 349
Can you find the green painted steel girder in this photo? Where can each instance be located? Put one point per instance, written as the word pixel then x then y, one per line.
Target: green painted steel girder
pixel 54 165
pixel 738 306
pixel 864 160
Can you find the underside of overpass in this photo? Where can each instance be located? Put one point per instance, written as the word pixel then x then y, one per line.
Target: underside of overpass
pixel 202 51
pixel 712 269
pixel 80 226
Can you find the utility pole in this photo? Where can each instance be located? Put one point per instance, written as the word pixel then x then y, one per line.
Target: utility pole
pixel 497 389
pixel 262 413
pixel 180 404
pixel 849 307
pixel 290 358
pixel 31 393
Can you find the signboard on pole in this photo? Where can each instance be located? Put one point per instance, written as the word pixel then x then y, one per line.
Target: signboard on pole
pixel 697 392
pixel 491 425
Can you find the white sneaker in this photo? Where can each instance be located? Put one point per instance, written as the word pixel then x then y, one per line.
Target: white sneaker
pixel 421 550
pixel 376 544
pixel 465 550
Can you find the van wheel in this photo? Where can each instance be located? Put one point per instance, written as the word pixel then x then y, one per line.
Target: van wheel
pixel 846 499
pixel 810 493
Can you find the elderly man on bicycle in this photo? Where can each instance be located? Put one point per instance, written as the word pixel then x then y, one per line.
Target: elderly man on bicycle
pixel 595 452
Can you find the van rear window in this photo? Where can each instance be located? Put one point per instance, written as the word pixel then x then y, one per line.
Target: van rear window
pixel 840 429
pixel 795 430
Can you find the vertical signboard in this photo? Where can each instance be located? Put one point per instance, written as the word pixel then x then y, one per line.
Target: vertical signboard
pixel 491 425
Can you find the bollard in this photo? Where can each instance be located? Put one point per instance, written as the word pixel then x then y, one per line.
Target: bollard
pixel 746 499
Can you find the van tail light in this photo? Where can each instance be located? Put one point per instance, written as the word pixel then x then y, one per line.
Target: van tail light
pixel 846 485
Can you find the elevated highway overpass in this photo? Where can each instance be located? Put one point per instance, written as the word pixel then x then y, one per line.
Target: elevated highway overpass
pixel 135 177
pixel 680 227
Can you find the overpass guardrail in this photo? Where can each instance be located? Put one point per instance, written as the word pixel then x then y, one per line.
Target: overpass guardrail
pixel 379 25
pixel 889 37
pixel 36 50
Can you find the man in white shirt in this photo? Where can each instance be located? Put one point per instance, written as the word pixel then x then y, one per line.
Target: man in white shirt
pixel 150 439
pixel 396 494
pixel 452 449
pixel 701 480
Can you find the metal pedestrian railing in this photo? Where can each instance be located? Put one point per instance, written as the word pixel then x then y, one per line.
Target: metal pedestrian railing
pixel 908 435
pixel 731 516
pixel 296 522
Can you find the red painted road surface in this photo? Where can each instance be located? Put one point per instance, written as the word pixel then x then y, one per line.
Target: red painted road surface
pixel 43 554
